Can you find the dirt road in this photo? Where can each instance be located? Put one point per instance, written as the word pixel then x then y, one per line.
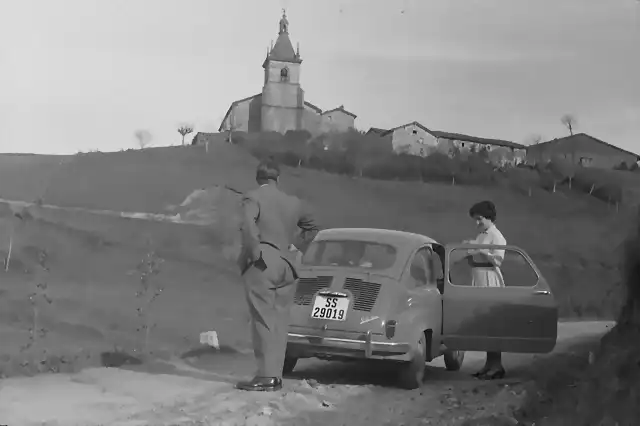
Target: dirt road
pixel 199 391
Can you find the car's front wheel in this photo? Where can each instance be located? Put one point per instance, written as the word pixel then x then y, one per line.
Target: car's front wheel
pixel 289 364
pixel 412 372
pixel 453 360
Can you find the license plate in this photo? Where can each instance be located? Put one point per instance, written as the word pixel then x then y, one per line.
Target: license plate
pixel 330 308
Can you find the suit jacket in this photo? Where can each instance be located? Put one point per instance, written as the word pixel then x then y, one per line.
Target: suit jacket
pixel 269 215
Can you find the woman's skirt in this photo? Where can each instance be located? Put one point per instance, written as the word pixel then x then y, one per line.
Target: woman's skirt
pixel 487 277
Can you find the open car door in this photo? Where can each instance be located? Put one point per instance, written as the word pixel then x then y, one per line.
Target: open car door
pixel 521 316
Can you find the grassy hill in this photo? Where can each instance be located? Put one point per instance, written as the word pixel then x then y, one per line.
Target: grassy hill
pixel 92 259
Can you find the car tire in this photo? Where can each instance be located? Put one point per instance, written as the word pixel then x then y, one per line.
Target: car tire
pixel 289 364
pixel 412 372
pixel 453 360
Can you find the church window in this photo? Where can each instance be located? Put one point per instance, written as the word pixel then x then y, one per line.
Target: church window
pixel 415 132
pixel 284 74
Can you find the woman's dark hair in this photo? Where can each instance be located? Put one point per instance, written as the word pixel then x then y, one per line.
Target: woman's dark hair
pixel 485 209
pixel 268 170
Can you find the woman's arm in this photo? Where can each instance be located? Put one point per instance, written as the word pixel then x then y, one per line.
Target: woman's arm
pixel 488 255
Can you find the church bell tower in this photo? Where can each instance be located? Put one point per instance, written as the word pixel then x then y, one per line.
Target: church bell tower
pixel 282 96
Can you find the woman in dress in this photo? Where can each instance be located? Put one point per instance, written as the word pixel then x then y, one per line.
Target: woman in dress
pixel 486 272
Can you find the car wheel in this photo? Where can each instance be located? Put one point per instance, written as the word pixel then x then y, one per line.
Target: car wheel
pixel 453 360
pixel 289 364
pixel 412 372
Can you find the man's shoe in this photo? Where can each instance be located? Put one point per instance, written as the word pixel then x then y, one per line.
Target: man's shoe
pixel 261 384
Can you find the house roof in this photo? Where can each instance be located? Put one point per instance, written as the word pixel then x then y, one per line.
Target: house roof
pixel 341 109
pixel 581 135
pixel 376 130
pixel 413 123
pixel 475 139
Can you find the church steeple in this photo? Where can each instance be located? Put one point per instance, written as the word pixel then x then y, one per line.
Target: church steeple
pixel 283 50
pixel 284 23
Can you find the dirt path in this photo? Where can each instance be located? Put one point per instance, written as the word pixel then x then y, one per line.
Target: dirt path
pixel 199 391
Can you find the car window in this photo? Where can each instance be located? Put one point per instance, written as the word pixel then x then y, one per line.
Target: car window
pixel 435 266
pixel 418 276
pixel 514 271
pixel 350 253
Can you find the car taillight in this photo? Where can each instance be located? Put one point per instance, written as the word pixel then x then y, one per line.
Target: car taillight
pixel 390 329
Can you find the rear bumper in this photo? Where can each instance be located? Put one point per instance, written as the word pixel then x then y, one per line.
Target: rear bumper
pixel 358 348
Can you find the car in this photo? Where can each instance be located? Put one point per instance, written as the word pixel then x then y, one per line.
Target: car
pixel 404 298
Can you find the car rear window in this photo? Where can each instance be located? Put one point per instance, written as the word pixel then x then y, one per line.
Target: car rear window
pixel 350 253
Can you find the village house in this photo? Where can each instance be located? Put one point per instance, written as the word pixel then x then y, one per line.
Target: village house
pixel 416 139
pixel 583 150
pixel 282 106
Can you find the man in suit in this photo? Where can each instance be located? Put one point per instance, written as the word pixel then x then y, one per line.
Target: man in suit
pixel 271 221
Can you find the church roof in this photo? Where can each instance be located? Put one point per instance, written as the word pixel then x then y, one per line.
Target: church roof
pixel 283 49
pixel 342 110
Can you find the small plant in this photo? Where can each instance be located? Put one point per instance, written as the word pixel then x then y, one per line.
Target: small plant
pixel 147 293
pixel 38 296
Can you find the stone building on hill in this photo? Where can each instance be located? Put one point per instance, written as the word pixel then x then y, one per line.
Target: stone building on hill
pixel 416 139
pixel 282 106
pixel 583 150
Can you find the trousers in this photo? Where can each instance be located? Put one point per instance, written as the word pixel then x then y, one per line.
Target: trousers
pixel 270 294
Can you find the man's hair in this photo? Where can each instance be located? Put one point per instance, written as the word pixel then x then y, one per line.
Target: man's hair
pixel 485 209
pixel 268 170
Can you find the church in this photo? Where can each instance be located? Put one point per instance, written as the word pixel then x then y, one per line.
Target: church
pixel 281 106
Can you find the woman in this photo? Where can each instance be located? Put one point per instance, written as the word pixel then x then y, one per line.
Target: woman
pixel 486 272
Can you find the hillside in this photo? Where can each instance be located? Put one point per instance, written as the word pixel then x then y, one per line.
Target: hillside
pixel 92 260
pixel 573 238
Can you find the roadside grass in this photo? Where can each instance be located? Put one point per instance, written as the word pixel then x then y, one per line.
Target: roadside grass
pixel 598 383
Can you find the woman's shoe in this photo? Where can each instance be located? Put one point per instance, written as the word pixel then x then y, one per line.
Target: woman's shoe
pixel 493 375
pixel 480 373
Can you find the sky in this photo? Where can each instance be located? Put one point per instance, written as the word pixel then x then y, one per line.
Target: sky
pixel 83 75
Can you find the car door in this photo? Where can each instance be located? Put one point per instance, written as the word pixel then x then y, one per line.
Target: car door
pixel 521 317
pixel 424 302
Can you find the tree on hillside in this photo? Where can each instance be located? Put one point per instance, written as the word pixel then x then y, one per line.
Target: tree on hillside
pixel 534 139
pixel 184 130
pixel 144 138
pixel 561 170
pixel 569 121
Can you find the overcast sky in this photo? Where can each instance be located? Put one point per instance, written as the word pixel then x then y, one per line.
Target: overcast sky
pixel 78 75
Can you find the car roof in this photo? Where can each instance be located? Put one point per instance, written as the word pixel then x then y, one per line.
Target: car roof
pixel 376 235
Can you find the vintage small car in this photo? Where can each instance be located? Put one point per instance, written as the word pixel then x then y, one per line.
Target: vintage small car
pixel 398 296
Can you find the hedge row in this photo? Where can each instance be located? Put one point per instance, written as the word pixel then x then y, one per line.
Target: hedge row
pixel 359 155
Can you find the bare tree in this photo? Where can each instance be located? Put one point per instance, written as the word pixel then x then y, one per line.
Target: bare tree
pixel 569 121
pixel 144 138
pixel 534 139
pixel 184 130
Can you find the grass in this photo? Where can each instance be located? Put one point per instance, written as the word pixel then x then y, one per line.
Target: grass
pixel 597 383
pixel 92 259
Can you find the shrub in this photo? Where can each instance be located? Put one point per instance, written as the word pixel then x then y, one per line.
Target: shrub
pixel 561 171
pixel 440 167
pixel 475 170
pixel 630 314
pixel 610 193
pixel 523 179
pixel 588 180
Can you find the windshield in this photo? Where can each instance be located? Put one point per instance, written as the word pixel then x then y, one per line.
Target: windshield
pixel 350 253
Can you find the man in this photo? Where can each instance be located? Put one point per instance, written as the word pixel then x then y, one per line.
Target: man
pixel 271 221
